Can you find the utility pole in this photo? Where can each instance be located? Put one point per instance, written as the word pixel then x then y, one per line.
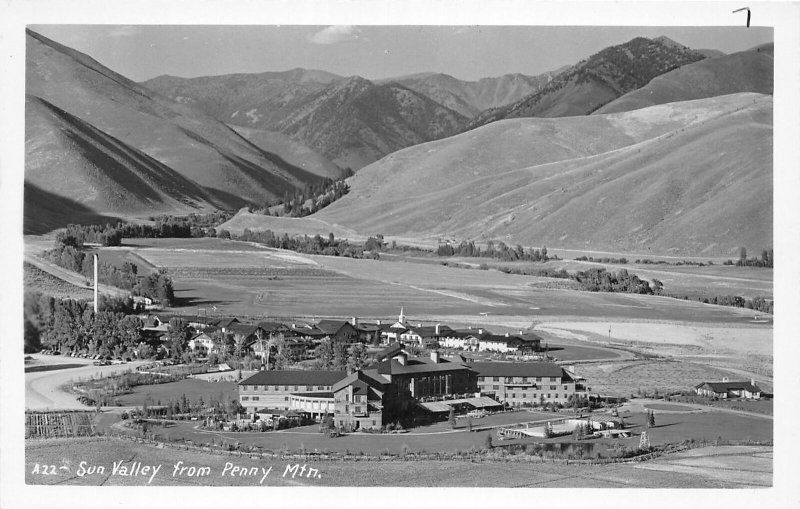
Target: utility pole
pixel 94 256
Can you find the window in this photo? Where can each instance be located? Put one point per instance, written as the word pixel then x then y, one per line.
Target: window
pixel 565 387
pixel 496 387
pixel 374 423
pixel 496 379
pixel 548 395
pixel 295 388
pixel 358 410
pixel 286 398
pixel 538 379
pixel 552 387
pixel 524 379
pixel 524 395
pixel 347 409
pixel 245 398
pixel 255 398
pixel 309 388
pixel 480 379
pixel 513 395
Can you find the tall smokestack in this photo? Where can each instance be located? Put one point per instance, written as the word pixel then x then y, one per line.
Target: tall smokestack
pixel 95 282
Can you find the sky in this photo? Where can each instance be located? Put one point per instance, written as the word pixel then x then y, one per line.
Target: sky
pixel 141 52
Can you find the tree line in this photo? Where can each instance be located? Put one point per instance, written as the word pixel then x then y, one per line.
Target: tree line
pixel 500 251
pixel 767 259
pixel 166 226
pixel 310 199
pixel 156 286
pixel 317 244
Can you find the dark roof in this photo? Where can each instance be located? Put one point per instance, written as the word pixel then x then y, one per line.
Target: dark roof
pixel 501 339
pixel 294 377
pixel 730 386
pixel 417 365
pixel 224 322
pixel 272 326
pixel 530 336
pixel 368 327
pixel 389 351
pixel 332 326
pixel 548 369
pixel 363 382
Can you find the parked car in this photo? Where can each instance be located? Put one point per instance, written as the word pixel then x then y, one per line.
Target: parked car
pixel 477 414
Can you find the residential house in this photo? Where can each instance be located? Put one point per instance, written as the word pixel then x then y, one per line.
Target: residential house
pixel 202 344
pixel 727 389
pixel 339 331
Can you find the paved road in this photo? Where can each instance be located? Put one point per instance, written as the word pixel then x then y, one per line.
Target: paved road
pixel 638 405
pixel 43 388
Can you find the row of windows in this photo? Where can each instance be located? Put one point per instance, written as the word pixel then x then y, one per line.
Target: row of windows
pixel 518 379
pixel 497 387
pixel 264 388
pixel 247 398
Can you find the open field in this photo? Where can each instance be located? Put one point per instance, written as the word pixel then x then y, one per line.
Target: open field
pixel 743 467
pixel 192 388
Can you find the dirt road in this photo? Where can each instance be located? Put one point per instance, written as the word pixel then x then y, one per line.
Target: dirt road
pixel 43 388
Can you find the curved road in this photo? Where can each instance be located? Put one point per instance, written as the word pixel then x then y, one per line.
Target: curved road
pixel 43 388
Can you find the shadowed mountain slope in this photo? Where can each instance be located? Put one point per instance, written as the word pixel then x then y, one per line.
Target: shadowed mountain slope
pixel 598 80
pixel 680 178
pixel 104 174
pixel 197 147
pixel 746 71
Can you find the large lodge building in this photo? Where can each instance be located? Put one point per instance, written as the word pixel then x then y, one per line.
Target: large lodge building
pixel 400 387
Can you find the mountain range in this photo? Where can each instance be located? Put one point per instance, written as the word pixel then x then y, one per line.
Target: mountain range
pixel 100 139
pixel 642 147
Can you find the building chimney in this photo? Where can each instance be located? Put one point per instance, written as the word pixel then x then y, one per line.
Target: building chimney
pixel 419 325
pixel 95 282
pixel 378 322
pixel 354 321
pixel 724 379
pixel 437 329
pixel 508 335
pixel 435 356
pixel 480 332
pixel 753 382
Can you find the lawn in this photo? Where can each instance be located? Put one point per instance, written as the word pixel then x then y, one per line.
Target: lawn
pixel 671 471
pixel 192 388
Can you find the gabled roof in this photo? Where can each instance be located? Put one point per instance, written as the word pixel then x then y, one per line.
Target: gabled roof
pixel 224 322
pixel 295 377
pixel 389 351
pixel 333 326
pixel 729 386
pixel 535 369
pixel 272 326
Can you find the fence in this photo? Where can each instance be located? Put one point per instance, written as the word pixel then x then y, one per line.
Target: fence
pixel 58 424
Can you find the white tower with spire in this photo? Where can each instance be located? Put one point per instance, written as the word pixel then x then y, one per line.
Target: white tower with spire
pixel 402 318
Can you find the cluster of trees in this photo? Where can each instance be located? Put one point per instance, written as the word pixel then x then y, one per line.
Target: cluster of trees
pixel 338 356
pixel 492 250
pixel 756 303
pixel 621 261
pixel 308 245
pixel 191 226
pixel 767 259
pixel 647 261
pixel 71 325
pixel 601 280
pixel 156 286
pixel 312 198
pixel 76 235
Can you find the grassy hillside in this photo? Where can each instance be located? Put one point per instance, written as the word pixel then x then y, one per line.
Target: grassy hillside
pixel 682 178
pixel 746 71
pixel 199 148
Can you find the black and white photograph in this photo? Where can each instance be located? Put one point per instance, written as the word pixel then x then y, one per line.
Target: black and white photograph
pixel 426 248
